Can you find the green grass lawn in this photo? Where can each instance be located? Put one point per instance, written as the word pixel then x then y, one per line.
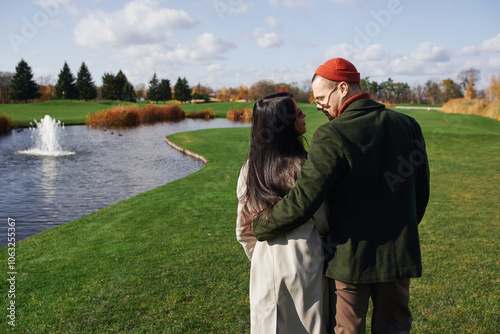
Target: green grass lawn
pixel 419 105
pixel 68 112
pixel 167 261
pixel 72 112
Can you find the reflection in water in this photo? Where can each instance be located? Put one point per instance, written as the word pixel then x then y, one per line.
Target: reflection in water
pixel 41 192
pixel 48 179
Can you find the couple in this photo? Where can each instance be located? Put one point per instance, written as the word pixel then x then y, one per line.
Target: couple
pixel 362 188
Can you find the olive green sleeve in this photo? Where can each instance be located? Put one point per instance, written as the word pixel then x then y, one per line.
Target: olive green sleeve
pixel 422 175
pixel 318 173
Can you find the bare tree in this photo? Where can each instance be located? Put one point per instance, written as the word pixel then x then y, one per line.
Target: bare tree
pixel 432 91
pixel 417 93
pixel 45 80
pixel 465 75
pixel 5 79
pixel 140 90
pixel 262 88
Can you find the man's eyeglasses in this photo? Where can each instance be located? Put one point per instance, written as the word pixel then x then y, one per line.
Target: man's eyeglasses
pixel 320 100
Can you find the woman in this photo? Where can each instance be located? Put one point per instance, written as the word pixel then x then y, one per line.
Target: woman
pixel 287 288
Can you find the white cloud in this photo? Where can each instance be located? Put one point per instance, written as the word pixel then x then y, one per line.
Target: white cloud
pixel 205 48
pixel 492 45
pixel 241 8
pixel 342 50
pixel 291 4
pixel 214 68
pixel 374 61
pixel 139 22
pixel 470 50
pixel 272 22
pixel 371 53
pixel 144 60
pixel 349 3
pixel 269 40
pixel 429 52
pixel 210 44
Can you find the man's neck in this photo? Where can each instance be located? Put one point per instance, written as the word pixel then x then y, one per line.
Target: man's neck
pixel 354 97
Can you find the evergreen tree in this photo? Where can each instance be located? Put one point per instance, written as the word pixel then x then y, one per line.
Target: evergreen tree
pixel 22 85
pixel 182 92
pixel 121 81
pixel 65 87
pixel 110 90
pixel 153 90
pixel 164 90
pixel 85 84
pixel 128 93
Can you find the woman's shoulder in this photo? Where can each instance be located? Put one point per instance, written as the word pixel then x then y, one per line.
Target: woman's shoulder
pixel 242 180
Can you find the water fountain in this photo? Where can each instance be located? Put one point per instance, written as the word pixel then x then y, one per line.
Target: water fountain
pixel 46 138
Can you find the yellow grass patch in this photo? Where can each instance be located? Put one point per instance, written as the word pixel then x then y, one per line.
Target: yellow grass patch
pixel 133 115
pixel 205 114
pixel 242 115
pixel 479 107
pixel 5 124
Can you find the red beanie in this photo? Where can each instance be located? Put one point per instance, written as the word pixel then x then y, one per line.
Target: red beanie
pixel 338 69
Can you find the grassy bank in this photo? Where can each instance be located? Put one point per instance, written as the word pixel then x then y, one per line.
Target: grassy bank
pixel 71 112
pixel 167 261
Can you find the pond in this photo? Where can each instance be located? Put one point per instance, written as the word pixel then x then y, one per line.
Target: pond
pixel 41 192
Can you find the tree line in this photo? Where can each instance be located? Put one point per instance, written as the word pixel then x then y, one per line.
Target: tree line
pixel 21 86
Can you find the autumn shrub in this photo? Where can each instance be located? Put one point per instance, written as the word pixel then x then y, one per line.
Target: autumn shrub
pixel 479 107
pixel 208 113
pixel 240 115
pixel 387 104
pixel 131 115
pixel 5 124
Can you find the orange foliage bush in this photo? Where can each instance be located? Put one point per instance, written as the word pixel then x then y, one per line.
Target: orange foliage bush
pixel 387 104
pixel 133 115
pixel 479 107
pixel 205 114
pixel 242 115
pixel 5 124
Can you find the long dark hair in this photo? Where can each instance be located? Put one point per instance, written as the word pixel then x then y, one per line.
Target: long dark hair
pixel 276 153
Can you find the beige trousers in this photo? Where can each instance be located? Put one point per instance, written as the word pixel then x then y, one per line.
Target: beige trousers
pixel 391 313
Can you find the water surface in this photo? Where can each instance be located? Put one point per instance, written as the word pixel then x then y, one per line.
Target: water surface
pixel 41 192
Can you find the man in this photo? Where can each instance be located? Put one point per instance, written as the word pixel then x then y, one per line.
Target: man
pixel 370 164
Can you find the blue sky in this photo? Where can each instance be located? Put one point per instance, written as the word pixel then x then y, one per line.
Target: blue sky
pixel 233 42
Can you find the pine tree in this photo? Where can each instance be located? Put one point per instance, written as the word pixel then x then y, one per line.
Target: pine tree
pixel 65 86
pixel 110 89
pixel 182 92
pixel 128 93
pixel 164 90
pixel 122 81
pixel 22 85
pixel 153 90
pixel 85 84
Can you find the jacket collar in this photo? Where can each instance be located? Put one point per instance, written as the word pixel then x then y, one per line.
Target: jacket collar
pixel 360 96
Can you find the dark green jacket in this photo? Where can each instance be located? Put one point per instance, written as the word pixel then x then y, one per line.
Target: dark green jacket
pixel 370 164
